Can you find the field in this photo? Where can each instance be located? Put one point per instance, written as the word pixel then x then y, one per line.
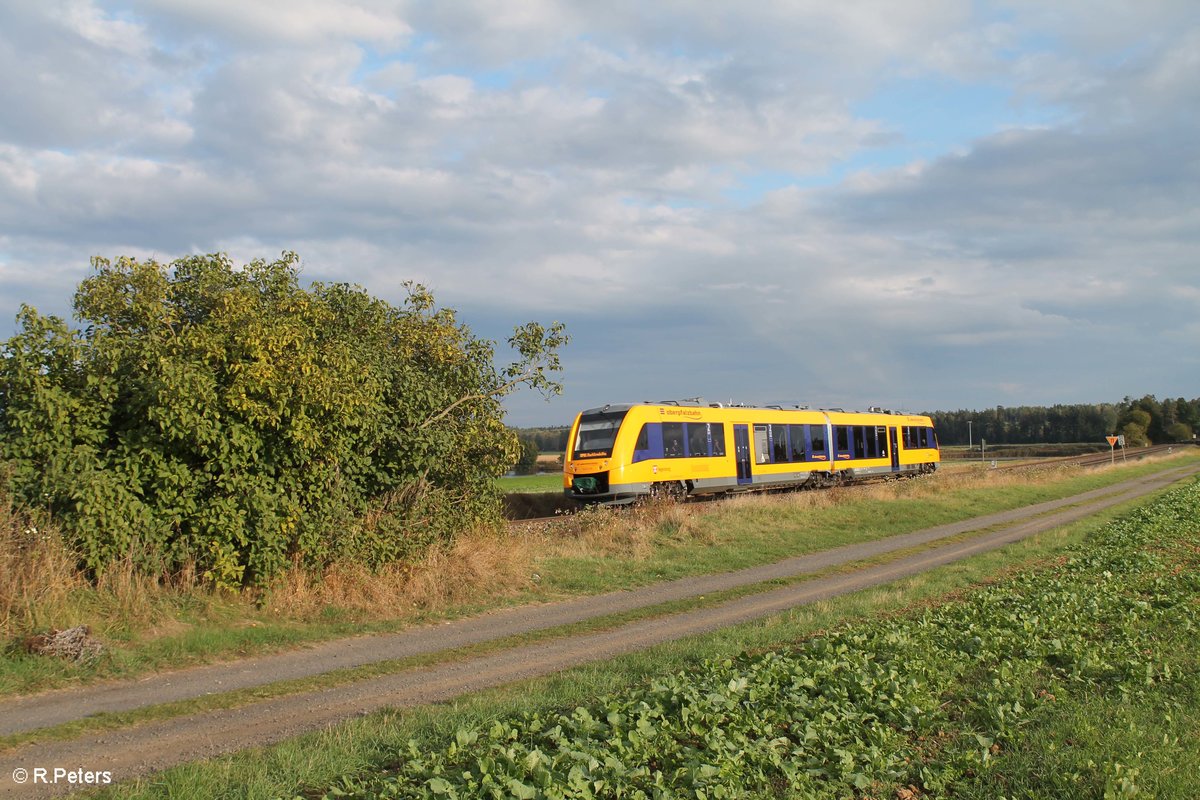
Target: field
pixel 971 698
pixel 545 482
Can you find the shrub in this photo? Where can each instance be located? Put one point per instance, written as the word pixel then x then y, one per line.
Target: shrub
pixel 234 418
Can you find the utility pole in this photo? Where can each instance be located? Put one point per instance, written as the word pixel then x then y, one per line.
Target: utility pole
pixel 970 441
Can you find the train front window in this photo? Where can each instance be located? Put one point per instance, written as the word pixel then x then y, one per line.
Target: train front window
pixel 596 435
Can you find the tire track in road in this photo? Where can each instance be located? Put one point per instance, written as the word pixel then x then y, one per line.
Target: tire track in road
pixel 135 751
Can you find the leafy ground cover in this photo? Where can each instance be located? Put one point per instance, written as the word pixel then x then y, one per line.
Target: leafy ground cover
pixel 1011 691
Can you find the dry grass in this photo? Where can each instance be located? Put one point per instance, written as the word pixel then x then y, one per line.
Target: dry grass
pixel 628 532
pixel 489 564
pixel 42 587
pixel 37 573
pixel 452 574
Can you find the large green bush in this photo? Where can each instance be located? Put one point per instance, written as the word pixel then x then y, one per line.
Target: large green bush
pixel 231 418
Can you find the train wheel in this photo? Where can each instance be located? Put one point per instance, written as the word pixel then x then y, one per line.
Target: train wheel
pixel 668 490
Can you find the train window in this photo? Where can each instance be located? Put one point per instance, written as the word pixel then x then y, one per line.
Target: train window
pixel 881 441
pixel 919 438
pixel 779 447
pixel 870 441
pixel 762 445
pixel 672 439
pixel 716 433
pixel 820 449
pixel 927 439
pixel 860 441
pixel 697 439
pixel 643 440
pixel 796 436
pixel 596 434
pixel 649 442
pixel 842 432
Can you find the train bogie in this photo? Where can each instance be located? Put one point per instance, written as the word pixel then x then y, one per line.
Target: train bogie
pixel 621 453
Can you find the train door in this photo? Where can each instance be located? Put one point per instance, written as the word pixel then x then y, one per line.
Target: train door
pixel 895 449
pixel 741 450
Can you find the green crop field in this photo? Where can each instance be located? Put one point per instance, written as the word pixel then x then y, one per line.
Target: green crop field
pixel 1013 691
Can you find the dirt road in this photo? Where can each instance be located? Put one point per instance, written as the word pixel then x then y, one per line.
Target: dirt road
pixel 140 749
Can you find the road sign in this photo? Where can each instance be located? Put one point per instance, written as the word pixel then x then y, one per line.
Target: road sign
pixel 1113 443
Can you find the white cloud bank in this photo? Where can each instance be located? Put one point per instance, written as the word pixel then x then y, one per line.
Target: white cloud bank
pixel 695 194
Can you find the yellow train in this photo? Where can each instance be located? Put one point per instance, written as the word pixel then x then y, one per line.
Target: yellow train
pixel 620 453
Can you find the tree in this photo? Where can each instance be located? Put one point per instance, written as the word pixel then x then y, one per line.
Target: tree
pixel 1136 424
pixel 1179 432
pixel 528 457
pixel 231 418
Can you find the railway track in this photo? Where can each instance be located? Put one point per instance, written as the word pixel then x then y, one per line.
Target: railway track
pixel 1093 459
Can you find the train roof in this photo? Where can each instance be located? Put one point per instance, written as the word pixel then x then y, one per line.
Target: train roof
pixel 616 408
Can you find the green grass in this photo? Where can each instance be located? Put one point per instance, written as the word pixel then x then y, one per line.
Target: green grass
pixel 549 482
pixel 1101 745
pixel 1150 734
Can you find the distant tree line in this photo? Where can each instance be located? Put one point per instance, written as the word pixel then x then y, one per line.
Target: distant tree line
pixel 546 440
pixel 1143 421
pixel 534 441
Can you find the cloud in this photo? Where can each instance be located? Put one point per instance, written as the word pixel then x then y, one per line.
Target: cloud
pixel 698 195
pixel 272 23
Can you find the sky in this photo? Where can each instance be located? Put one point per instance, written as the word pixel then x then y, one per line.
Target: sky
pixel 927 205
